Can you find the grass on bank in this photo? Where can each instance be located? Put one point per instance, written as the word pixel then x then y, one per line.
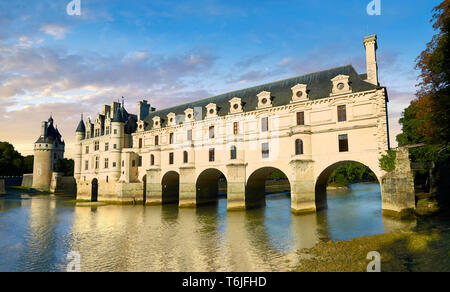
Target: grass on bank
pixel 427 250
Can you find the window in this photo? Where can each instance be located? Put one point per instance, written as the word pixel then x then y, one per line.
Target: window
pixel 86 165
pixel 233 152
pixel 152 159
pixel 343 143
pixel 139 161
pixel 265 150
pixel 107 179
pixel 140 142
pixel 342 113
pixel 115 146
pixel 171 158
pixel 106 162
pixel 211 155
pixel 235 128
pixel 96 162
pixel 171 138
pixel 156 140
pixel 107 130
pixel 185 157
pixel 96 146
pixel 114 164
pixel 87 149
pixel 265 124
pixel 115 131
pixel 211 132
pixel 189 135
pixel 106 146
pixel 133 163
pixel 123 163
pixel 300 118
pixel 298 147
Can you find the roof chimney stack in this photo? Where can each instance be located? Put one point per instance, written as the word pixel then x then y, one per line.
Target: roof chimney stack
pixel 370 43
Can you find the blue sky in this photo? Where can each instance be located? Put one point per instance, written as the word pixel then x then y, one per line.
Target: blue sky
pixel 170 52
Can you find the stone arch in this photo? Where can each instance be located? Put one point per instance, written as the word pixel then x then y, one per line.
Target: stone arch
pixel 256 189
pixel 94 190
pixel 170 184
pixel 208 186
pixel 322 180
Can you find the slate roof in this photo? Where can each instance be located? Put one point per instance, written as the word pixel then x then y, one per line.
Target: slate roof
pixel 319 85
pixel 130 120
pixel 53 135
pixel 81 127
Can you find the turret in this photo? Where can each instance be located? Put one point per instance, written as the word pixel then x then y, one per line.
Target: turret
pixel 80 133
pixel 117 140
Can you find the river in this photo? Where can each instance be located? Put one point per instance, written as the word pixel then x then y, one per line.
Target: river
pixel 37 233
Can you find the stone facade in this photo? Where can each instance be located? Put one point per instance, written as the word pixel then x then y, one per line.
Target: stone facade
pixel 304 126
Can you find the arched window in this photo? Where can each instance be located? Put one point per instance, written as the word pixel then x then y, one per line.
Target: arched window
pixel 298 147
pixel 152 159
pixel 185 157
pixel 233 152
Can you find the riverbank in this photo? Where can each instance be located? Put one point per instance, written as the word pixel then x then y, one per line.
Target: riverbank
pixel 426 248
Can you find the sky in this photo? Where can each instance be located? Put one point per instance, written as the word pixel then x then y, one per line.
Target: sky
pixel 171 52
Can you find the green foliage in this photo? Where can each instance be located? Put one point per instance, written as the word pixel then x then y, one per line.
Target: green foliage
pixel 351 173
pixel 12 163
pixel 387 161
pixel 66 166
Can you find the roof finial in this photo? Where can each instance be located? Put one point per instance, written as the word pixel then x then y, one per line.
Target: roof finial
pixel 123 101
pixel 81 116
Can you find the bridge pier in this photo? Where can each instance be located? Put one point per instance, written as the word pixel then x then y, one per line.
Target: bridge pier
pixel 188 188
pixel 397 187
pixel 303 197
pixel 236 174
pixel 154 187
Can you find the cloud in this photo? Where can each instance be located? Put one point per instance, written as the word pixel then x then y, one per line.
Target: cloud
pixel 58 32
pixel 35 81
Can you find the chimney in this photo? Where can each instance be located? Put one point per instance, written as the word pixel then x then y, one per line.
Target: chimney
pixel 370 43
pixel 143 110
pixel 44 129
pixel 114 107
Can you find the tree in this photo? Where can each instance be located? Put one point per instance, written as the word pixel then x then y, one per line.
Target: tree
pixel 426 119
pixel 12 163
pixel 65 166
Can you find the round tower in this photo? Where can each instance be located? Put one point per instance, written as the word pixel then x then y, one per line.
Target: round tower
pixel 48 149
pixel 117 142
pixel 80 133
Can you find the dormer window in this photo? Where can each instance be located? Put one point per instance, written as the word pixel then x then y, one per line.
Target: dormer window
pixel 299 93
pixel 211 110
pixel 156 122
pixel 189 115
pixel 341 85
pixel 141 126
pixel 264 99
pixel 235 105
pixel 171 119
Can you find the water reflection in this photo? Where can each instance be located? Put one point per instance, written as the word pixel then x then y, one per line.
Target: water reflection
pixel 37 233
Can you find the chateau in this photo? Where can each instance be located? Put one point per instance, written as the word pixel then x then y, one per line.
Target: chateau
pixel 304 126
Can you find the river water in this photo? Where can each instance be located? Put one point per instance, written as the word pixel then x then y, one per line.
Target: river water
pixel 37 233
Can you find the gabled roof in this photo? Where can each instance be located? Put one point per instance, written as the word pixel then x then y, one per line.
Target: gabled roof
pixel 319 86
